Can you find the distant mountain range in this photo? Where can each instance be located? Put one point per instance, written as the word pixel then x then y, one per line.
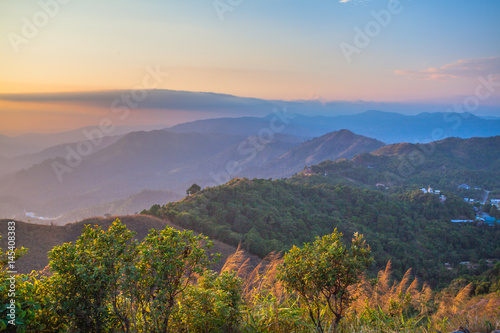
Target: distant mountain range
pixel 166 104
pixel 25 161
pixel 388 127
pixel 158 161
pixel 59 180
pixel 331 146
pixel 384 126
pixel 32 143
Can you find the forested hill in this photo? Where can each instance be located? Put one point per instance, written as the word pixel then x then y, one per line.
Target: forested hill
pixel 331 146
pixel 444 164
pixel 266 215
pixel 473 153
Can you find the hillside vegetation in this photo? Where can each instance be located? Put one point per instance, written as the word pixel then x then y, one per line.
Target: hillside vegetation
pixel 40 239
pixel 339 252
pixel 412 231
pixel 444 164
pixel 108 280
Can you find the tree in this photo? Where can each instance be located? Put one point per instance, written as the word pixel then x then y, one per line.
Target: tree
pixel 211 305
pixel 494 211
pixel 166 262
pixel 108 282
pixel 195 188
pixel 321 273
pixel 88 277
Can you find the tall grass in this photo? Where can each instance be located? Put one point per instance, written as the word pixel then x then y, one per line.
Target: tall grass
pixel 381 304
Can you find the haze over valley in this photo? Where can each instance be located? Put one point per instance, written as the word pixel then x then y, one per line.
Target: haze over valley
pixel 85 168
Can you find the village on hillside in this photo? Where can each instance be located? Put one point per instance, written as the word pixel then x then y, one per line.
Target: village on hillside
pixel 482 216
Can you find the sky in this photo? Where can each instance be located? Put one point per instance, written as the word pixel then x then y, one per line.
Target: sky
pixel 329 50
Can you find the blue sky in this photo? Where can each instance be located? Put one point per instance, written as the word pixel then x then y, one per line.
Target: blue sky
pixel 431 51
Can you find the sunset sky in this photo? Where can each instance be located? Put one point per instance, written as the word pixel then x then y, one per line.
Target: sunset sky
pixel 424 52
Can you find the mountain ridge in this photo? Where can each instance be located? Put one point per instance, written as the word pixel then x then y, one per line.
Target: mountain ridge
pixel 388 127
pixel 331 146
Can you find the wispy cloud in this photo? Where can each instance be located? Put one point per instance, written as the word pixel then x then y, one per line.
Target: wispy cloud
pixel 159 99
pixel 353 1
pixel 461 69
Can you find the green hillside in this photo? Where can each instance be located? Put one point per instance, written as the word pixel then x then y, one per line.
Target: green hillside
pixel 412 230
pixel 443 164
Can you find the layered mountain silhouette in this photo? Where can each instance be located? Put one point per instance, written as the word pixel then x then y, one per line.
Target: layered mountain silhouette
pixel 331 146
pixel 153 160
pixel 59 180
pixel 13 164
pixel 162 160
pixel 384 126
pixel 32 143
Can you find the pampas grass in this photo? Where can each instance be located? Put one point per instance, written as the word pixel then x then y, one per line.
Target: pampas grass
pixel 381 305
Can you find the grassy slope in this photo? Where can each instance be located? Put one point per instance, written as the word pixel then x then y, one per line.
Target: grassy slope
pixel 40 239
